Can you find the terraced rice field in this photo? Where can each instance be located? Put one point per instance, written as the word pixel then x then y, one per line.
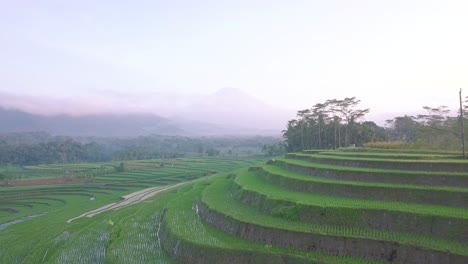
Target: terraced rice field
pixel 312 207
pixel 21 201
pixel 343 206
pixel 33 219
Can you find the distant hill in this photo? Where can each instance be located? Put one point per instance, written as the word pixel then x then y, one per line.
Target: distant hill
pixel 237 111
pixel 229 111
pixel 105 125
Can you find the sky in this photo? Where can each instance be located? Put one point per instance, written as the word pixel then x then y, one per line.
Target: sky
pixel 395 56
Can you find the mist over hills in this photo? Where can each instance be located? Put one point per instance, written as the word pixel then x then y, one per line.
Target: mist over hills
pixel 229 111
pixel 232 108
pixel 103 125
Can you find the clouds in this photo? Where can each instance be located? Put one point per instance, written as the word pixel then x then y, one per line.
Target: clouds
pixel 292 54
pixel 97 102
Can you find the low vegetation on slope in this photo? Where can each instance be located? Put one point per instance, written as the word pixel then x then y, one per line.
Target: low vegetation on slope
pixel 300 207
pixel 33 219
pixel 288 210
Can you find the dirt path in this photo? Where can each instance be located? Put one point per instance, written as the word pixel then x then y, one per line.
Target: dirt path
pixel 129 199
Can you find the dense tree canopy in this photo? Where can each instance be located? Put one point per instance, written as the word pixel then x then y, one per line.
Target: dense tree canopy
pixel 337 123
pixel 40 148
pixel 332 124
pixel 437 128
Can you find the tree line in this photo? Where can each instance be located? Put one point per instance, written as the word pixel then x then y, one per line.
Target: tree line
pixel 331 124
pixel 437 128
pixel 338 123
pixel 41 148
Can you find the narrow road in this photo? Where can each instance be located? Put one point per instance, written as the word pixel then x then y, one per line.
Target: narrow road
pixel 129 199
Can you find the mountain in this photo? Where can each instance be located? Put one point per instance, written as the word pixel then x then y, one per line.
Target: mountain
pixel 229 111
pixel 105 125
pixel 237 112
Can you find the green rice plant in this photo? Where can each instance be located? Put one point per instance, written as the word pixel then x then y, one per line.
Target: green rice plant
pixel 386 150
pixel 256 183
pixel 272 169
pixel 411 193
pixel 387 155
pixel 183 222
pixel 216 197
pixel 449 165
pixel 445 222
pixel 428 178
pixel 134 238
pixel 89 247
pixel 373 170
pixel 34 241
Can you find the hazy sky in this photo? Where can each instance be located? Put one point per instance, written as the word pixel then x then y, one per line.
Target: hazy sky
pixel 393 55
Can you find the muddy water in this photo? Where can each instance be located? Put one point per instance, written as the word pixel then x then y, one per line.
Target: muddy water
pixel 19 220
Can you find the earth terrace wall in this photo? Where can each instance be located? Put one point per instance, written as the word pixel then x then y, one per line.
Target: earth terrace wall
pixel 389 150
pixel 340 246
pixel 406 195
pixel 418 165
pixel 185 251
pixel 398 156
pixel 394 221
pixel 385 177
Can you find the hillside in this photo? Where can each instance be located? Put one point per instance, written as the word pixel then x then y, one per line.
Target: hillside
pixel 226 112
pixel 238 111
pixel 105 125
pixel 346 206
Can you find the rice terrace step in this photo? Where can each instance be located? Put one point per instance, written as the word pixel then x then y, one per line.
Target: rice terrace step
pixel 293 209
pixel 306 209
